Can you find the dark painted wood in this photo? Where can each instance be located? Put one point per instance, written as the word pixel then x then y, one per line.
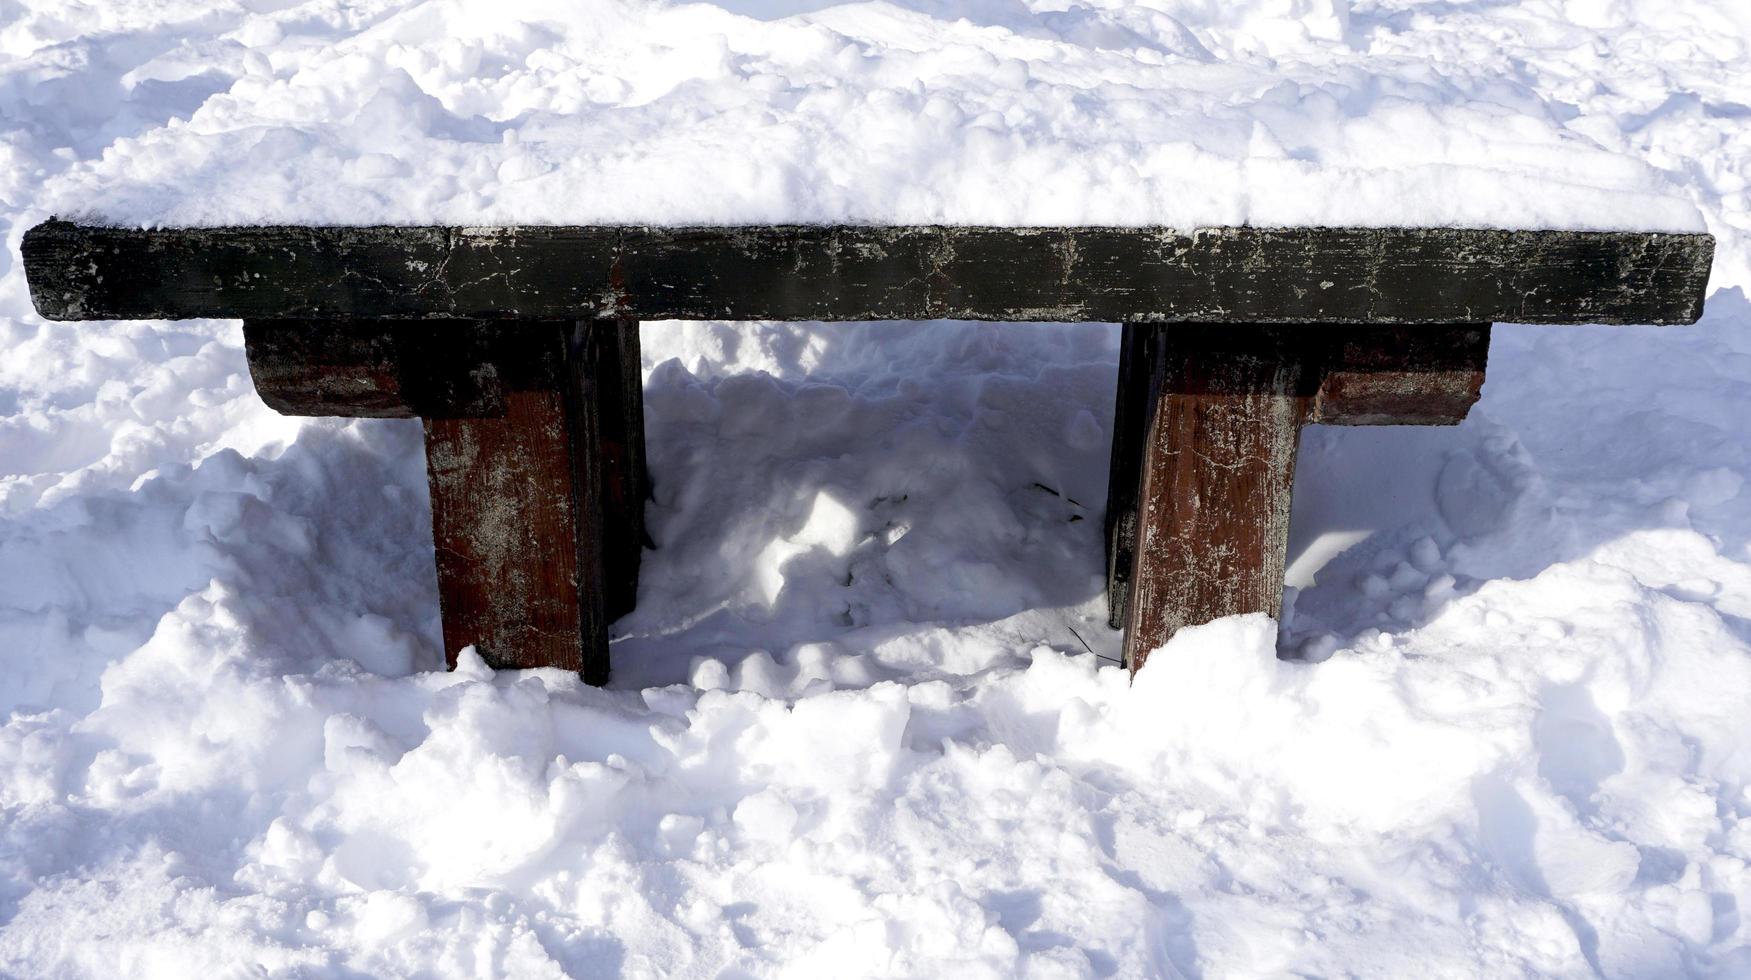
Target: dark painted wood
pixel 618 374
pixel 1398 375
pixel 1229 275
pixel 535 459
pixel 390 369
pixel 507 523
pixel 1207 422
pixel 324 367
pixel 1132 403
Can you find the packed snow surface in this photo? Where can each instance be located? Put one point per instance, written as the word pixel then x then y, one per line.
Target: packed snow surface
pixel 1184 113
pixel 866 718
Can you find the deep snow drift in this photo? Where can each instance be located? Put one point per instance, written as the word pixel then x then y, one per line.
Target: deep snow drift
pixel 865 719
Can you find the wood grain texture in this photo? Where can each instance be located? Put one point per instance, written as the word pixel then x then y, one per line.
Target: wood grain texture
pixel 516 522
pixel 516 535
pixel 1223 275
pixel 328 368
pixel 393 369
pixel 1205 432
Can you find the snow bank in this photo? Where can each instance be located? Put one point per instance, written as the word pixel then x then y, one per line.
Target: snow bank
pixel 865 719
pixel 1181 113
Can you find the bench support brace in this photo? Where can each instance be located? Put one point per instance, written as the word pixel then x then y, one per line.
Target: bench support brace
pixel 1206 422
pixel 534 457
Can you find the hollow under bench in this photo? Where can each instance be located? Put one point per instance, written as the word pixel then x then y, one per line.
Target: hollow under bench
pixel 518 347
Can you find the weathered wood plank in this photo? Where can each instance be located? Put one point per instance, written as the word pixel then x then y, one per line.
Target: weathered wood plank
pixel 438 368
pixel 391 369
pixel 1224 275
pixel 508 527
pixel 1205 432
pixel 1429 375
pixel 517 519
pixel 326 368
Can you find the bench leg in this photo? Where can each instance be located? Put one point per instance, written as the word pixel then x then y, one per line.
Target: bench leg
pixel 534 457
pixel 1224 408
pixel 1207 421
pixel 619 374
pixel 1131 410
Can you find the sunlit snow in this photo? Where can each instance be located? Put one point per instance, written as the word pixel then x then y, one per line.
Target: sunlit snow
pixel 866 718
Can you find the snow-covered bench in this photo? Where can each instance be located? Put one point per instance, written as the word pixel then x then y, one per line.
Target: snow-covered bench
pixel 519 349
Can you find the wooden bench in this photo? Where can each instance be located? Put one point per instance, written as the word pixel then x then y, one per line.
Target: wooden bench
pixel 519 349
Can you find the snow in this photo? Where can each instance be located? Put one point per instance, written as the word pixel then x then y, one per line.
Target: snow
pixel 1182 113
pixel 865 719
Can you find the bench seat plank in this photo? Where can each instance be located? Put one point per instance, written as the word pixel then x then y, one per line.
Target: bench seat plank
pixel 1223 275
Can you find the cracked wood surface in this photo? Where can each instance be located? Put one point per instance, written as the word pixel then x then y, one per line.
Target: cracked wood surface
pixel 1302 275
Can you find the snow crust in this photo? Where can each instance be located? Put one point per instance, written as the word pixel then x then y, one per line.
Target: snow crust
pixel 865 720
pixel 1182 113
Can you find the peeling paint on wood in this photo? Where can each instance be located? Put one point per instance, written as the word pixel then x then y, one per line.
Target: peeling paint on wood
pixel 1398 375
pixel 1213 496
pixel 1231 275
pixel 516 537
pixel 390 369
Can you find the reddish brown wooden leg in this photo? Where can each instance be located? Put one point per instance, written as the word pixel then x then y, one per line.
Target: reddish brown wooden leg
pixel 1213 494
pixel 534 458
pixel 1204 437
pixel 517 530
pixel 537 515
